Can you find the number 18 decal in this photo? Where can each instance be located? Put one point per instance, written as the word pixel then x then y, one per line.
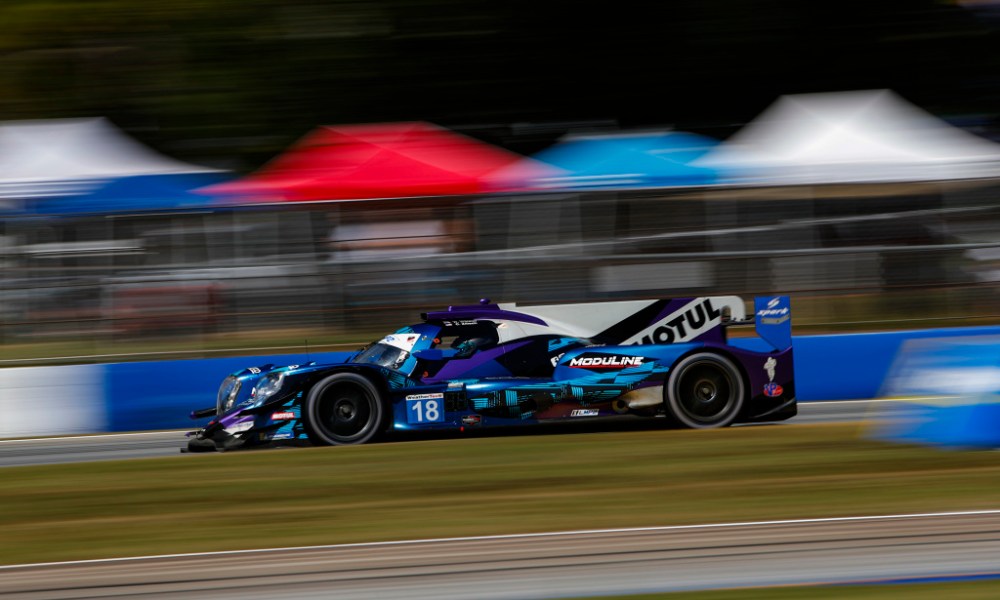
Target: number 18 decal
pixel 425 409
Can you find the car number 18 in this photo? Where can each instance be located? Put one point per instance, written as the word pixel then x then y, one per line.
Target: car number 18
pixel 424 411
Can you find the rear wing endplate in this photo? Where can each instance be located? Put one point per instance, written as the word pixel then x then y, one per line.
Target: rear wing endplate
pixel 773 320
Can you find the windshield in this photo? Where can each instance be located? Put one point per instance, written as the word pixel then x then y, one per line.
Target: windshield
pixel 382 355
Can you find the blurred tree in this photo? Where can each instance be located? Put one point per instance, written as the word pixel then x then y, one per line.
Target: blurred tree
pixel 214 80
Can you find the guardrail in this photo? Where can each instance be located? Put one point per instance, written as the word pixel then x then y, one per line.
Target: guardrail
pixel 57 400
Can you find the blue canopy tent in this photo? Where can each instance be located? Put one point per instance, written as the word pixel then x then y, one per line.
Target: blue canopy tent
pixel 639 160
pixel 73 166
pixel 140 193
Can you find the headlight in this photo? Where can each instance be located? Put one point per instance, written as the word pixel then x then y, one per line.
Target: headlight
pixel 268 386
pixel 228 391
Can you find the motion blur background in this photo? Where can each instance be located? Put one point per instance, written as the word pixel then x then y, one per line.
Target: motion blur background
pixel 168 182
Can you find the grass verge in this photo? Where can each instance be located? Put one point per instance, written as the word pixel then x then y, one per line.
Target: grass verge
pixel 966 590
pixel 476 486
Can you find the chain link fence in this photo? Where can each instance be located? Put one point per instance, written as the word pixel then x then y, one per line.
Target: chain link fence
pixel 230 280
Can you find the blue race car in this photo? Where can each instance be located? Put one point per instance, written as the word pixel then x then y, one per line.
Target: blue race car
pixel 496 365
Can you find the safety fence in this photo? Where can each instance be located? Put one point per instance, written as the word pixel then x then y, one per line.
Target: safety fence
pixel 140 282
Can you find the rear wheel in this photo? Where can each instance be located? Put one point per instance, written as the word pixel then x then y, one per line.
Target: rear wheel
pixel 344 408
pixel 704 390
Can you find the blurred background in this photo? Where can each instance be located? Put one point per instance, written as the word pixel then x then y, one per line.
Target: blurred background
pixel 200 177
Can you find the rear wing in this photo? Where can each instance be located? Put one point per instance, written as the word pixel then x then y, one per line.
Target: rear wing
pixel 773 320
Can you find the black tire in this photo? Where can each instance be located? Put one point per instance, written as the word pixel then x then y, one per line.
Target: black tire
pixel 344 408
pixel 704 390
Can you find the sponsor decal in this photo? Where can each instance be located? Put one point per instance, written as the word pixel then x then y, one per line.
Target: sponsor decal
pixel 774 314
pixel 773 390
pixel 555 359
pixel 254 370
pixel 283 436
pixel 769 366
pixel 402 339
pixel 455 384
pixel 606 361
pixel 282 416
pixel 437 396
pixel 463 323
pixel 682 325
pixel 403 342
pixel 292 367
pixel 584 412
pixel 472 420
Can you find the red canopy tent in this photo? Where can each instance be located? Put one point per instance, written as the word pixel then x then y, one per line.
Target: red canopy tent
pixel 391 160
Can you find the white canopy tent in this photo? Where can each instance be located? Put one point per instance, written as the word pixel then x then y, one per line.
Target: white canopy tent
pixel 850 137
pixel 73 156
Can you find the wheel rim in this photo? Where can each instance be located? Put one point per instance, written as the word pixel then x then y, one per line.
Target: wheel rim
pixel 346 412
pixel 707 393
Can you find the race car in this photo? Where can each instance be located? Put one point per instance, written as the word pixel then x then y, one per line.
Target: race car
pixel 499 365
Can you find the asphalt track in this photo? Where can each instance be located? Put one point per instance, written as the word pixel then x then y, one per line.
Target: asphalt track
pixel 802 552
pixel 553 565
pixel 55 450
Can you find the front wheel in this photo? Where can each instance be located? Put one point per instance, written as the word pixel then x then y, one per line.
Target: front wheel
pixel 704 390
pixel 344 408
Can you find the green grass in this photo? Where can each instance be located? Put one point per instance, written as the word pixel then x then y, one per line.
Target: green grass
pixel 475 486
pixel 966 590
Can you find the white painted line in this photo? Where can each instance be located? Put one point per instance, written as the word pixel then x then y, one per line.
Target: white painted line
pixel 511 536
pixel 873 400
pixel 96 437
pixel 802 403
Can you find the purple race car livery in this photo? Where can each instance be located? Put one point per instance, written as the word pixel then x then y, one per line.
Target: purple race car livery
pixel 496 365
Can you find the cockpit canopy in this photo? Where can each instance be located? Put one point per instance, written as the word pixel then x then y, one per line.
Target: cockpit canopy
pixel 464 338
pixel 383 355
pixel 454 340
pixel 464 348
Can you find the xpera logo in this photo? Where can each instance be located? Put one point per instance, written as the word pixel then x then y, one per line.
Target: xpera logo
pixel 605 361
pixel 773 314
